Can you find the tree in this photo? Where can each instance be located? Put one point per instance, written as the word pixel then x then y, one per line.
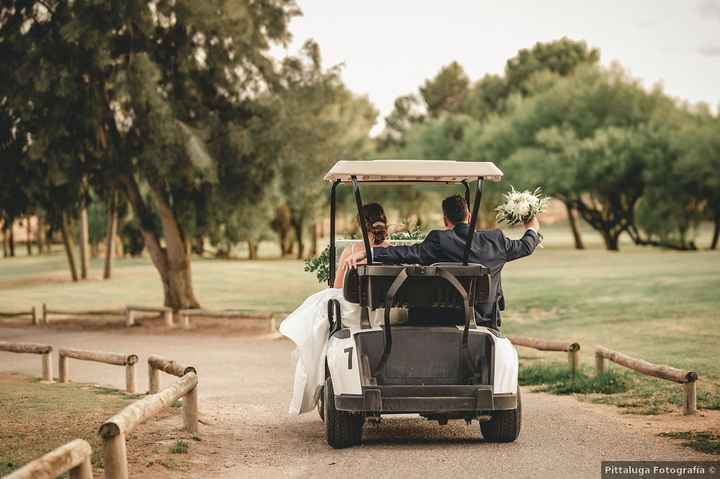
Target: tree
pixel 166 106
pixel 406 113
pixel 561 57
pixel 447 91
pixel 320 122
pixel 587 140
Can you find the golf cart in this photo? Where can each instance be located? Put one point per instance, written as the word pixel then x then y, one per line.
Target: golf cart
pixel 441 370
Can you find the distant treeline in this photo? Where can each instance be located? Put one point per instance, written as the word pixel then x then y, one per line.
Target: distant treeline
pixel 625 159
pixel 171 125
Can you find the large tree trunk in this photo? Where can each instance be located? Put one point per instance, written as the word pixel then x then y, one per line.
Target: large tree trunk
pixel 252 249
pixel 283 227
pixel 11 240
pixel 111 233
pixel 84 244
pixel 172 261
pixel 298 228
pixel 574 227
pixel 4 241
pixel 69 245
pixel 28 236
pixel 611 240
pixel 716 234
pixel 313 240
pixel 40 235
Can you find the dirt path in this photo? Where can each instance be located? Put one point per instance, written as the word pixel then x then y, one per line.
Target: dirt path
pixel 245 386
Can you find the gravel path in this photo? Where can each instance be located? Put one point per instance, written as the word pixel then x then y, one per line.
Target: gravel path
pixel 245 386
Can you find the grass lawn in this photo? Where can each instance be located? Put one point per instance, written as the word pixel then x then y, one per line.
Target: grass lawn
pixel 62 412
pixel 662 306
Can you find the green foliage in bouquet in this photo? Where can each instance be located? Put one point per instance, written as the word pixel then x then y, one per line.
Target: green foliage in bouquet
pixel 320 265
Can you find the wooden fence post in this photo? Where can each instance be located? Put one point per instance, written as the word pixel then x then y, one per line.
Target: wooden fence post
pixel 130 377
pixel 599 364
pixel 44 314
pixel 574 361
pixel 63 368
pixel 115 456
pixel 129 317
pixel 690 406
pixel 47 366
pixel 185 320
pixel 190 411
pixel 168 318
pixel 34 317
pixel 82 471
pixel 153 379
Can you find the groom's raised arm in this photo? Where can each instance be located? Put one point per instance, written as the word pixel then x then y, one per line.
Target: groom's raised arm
pixel 420 253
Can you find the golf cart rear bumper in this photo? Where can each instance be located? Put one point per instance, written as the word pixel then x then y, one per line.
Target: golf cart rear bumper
pixel 425 399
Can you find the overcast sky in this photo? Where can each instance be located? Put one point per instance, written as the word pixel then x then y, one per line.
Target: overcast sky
pixel 390 47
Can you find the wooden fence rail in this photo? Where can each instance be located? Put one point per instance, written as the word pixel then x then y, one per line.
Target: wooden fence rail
pixel 157 364
pixel 33 348
pixel 46 312
pixel 131 310
pixel 186 314
pixel 114 431
pixel 127 360
pixel 31 314
pixel 686 378
pixel 572 348
pixel 73 457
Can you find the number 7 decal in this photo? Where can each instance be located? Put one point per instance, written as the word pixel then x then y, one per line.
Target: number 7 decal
pixel 349 353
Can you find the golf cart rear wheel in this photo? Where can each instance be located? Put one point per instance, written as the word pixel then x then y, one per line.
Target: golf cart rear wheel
pixel 504 425
pixel 342 429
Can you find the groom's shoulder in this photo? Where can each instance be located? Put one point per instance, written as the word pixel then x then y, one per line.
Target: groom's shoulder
pixel 494 234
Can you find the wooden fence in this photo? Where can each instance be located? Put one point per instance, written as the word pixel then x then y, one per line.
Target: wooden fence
pixel 114 431
pixel 47 312
pixel 157 364
pixel 186 314
pixel 571 348
pixel 132 310
pixel 686 378
pixel 31 314
pixel 127 360
pixel 73 457
pixel 33 348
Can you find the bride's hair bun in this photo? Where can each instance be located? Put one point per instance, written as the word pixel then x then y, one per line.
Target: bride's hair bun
pixel 375 221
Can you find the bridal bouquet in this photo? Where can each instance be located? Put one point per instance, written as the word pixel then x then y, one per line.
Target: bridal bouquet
pixel 520 207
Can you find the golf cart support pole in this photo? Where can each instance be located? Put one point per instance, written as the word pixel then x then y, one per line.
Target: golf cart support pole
pixel 332 251
pixel 467 193
pixel 363 226
pixel 473 221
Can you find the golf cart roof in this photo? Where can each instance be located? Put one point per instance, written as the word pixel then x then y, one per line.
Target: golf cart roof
pixel 413 170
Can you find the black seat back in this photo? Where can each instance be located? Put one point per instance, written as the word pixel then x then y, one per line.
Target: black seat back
pixel 425 287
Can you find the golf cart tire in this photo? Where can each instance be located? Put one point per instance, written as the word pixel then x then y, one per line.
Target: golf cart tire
pixel 342 429
pixel 504 425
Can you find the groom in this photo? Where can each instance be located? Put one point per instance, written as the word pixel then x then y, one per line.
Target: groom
pixel 489 247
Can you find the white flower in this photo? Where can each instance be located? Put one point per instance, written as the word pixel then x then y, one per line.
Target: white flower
pixel 520 207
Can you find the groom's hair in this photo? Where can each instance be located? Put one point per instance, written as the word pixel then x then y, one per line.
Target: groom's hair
pixel 455 209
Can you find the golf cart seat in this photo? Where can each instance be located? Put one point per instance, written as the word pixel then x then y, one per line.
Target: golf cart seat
pixel 432 286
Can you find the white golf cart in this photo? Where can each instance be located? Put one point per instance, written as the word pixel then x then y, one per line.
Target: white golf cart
pixel 441 370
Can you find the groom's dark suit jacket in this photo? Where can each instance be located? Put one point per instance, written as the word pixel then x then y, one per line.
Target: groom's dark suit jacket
pixel 489 247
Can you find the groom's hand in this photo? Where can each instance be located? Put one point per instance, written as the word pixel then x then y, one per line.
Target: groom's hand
pixel 533 224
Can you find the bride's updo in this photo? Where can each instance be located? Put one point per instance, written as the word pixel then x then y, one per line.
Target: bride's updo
pixel 376 222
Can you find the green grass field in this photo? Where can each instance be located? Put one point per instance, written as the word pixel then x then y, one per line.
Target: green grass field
pixel 662 306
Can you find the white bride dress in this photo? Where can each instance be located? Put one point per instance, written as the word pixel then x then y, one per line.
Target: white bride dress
pixel 308 328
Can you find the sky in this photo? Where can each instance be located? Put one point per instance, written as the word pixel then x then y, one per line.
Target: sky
pixel 388 48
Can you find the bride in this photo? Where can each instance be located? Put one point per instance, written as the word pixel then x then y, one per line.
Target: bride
pixel 308 325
